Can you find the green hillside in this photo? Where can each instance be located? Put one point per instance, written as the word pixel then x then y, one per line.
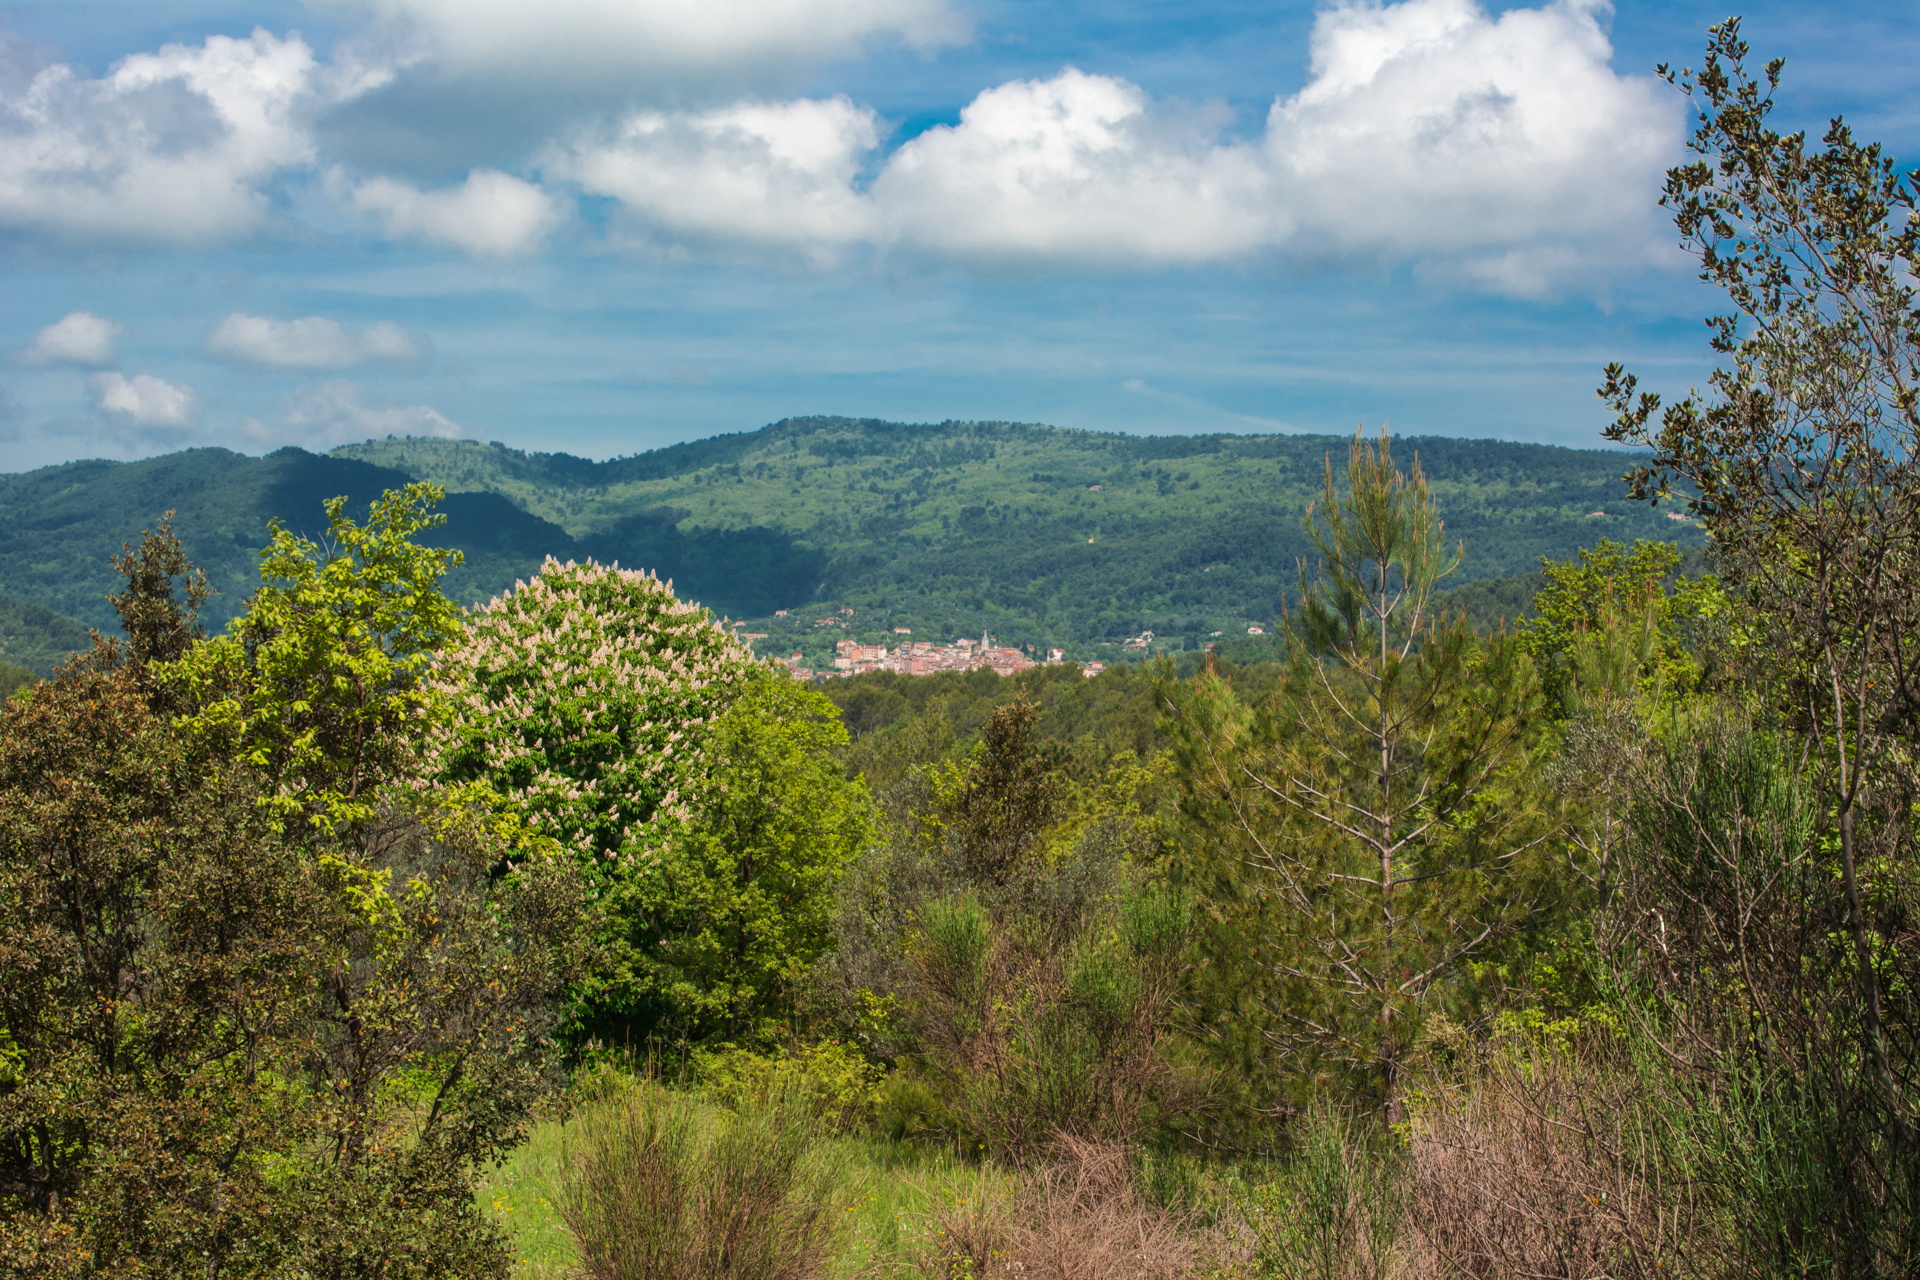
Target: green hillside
pixel 59 525
pixel 36 638
pixel 1039 534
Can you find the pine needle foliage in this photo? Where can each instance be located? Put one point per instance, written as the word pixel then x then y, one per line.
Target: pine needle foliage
pixel 1372 810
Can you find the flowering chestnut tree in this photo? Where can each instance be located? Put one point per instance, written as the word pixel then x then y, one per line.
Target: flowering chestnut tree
pixel 583 698
pixel 699 789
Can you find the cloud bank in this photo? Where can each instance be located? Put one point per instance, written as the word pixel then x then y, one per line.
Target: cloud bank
pixel 1503 152
pixel 1429 130
pixel 311 343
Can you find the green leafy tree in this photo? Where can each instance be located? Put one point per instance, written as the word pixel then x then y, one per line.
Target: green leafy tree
pixel 996 806
pixel 440 984
pixel 1803 462
pixel 15 678
pixel 1373 811
pixel 1607 587
pixel 235 1044
pixel 700 792
pixel 723 924
pixel 159 627
pixel 583 698
pixel 154 960
pixel 321 683
pixel 235 1050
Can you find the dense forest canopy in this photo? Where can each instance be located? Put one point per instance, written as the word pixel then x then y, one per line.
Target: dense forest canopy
pixel 1037 534
pixel 1040 535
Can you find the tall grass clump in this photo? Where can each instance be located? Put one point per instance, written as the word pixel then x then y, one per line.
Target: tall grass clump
pixel 1077 1215
pixel 659 1185
pixel 1335 1210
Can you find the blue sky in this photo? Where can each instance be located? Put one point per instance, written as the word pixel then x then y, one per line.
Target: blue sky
pixel 605 225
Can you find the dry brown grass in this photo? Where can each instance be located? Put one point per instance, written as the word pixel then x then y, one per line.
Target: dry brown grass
pixel 1544 1162
pixel 1547 1164
pixel 1551 1165
pixel 1077 1216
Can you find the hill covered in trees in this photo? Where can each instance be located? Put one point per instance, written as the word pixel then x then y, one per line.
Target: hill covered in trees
pixel 60 525
pixel 1039 534
pixel 35 638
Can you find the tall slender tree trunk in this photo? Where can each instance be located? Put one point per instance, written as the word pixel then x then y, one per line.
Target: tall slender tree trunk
pixel 1389 1055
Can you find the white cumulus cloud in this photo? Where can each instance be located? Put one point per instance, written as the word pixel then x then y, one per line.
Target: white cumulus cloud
pixel 1078 168
pixel 1430 128
pixel 685 40
pixel 144 400
pixel 490 214
pixel 314 342
pixel 1504 151
pixel 338 412
pixel 762 175
pixel 79 337
pixel 168 147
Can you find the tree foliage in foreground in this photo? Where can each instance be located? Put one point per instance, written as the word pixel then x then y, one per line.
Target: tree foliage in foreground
pixel 235 1044
pixel 713 937
pixel 582 698
pixel 696 789
pixel 1612 588
pixel 1803 459
pixel 321 684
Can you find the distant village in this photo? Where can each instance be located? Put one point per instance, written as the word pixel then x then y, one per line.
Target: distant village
pixel 923 658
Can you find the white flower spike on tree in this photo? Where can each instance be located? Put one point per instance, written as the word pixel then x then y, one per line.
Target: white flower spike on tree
pixel 581 697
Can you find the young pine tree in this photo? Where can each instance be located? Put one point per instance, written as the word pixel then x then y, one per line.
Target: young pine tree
pixel 1369 814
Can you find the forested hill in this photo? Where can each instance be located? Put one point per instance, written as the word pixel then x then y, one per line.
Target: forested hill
pixel 59 526
pixel 1038 533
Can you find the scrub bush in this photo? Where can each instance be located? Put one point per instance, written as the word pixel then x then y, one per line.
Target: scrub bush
pixel 658 1185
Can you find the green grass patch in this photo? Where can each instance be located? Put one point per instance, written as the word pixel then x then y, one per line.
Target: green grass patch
pixel 891 1192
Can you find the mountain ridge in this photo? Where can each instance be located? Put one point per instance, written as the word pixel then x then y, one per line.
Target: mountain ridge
pixel 1040 534
pixel 1044 534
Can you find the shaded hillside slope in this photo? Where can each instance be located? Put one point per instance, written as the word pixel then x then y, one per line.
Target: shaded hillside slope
pixel 59 525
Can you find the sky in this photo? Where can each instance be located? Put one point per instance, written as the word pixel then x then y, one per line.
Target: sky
pixel 604 226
